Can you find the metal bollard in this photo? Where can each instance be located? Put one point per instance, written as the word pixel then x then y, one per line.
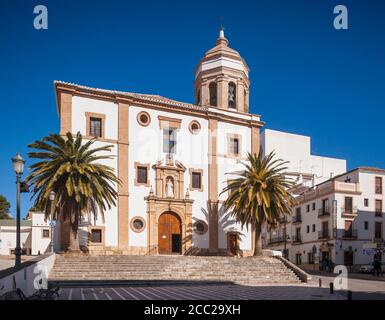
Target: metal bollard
pixel 350 295
pixel 331 288
pixel 320 282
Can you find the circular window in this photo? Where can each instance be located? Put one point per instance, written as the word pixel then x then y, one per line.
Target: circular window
pixel 194 127
pixel 143 118
pixel 200 227
pixel 137 224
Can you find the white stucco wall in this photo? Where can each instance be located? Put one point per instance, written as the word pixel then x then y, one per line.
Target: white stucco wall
pixel 38 268
pixel 226 166
pixel 8 239
pixel 296 149
pixel 39 244
pixel 80 106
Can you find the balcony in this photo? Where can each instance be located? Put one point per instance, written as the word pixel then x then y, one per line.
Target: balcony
pixel 350 234
pixel 324 234
pixel 378 213
pixel 324 212
pixel 296 219
pixel 296 238
pixel 276 240
pixel 349 212
pixel 330 187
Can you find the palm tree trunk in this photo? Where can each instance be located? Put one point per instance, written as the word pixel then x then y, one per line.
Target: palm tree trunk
pixel 257 240
pixel 74 239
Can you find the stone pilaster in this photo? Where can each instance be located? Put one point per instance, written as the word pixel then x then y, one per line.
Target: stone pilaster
pixel 123 223
pixel 222 87
pixel 204 93
pixel 65 109
pixel 213 186
pixel 240 96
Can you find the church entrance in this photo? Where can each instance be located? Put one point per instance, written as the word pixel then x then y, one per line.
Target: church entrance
pixel 169 234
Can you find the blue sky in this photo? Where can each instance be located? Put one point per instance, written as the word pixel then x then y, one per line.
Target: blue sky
pixel 306 77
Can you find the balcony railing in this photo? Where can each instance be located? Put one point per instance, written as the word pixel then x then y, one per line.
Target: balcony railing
pixel 324 212
pixel 349 211
pixel 350 234
pixel 328 187
pixel 277 240
pixel 378 212
pixel 296 218
pixel 324 234
pixel 296 238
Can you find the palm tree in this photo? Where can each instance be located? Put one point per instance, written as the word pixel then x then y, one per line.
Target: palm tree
pixel 260 194
pixel 72 170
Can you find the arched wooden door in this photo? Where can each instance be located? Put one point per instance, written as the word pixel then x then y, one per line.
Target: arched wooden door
pixel 169 234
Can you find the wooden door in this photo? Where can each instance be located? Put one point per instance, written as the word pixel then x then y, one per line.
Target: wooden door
pixel 169 234
pixel 233 241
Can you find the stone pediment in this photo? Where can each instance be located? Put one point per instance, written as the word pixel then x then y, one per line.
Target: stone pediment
pixel 169 179
pixel 170 164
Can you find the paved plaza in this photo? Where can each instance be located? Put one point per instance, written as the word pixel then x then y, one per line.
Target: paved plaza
pixel 200 292
pixel 363 286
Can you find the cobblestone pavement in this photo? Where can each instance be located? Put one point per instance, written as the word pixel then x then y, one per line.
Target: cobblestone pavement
pixel 200 292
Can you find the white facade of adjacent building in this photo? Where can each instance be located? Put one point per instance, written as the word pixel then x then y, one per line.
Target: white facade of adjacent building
pixel 35 235
pixel 305 168
pixel 342 218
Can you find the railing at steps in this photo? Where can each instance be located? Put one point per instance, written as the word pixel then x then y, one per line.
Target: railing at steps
pixel 305 277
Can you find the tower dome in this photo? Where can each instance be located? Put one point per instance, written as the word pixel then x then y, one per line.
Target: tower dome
pixel 222 78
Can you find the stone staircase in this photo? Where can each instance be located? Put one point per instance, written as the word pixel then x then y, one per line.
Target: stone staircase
pixel 86 270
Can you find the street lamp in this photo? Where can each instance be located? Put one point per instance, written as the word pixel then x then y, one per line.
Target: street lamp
pixel 52 195
pixel 18 167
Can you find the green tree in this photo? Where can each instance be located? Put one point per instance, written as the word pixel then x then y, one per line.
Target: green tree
pixel 73 171
pixel 259 194
pixel 4 208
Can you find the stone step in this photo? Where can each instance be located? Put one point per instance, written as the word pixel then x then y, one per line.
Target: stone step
pixel 69 269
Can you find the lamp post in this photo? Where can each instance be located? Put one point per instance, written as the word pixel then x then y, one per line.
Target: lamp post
pixel 18 167
pixel 52 195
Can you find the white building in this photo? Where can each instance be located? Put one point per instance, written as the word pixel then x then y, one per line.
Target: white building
pixel 35 235
pixel 306 169
pixel 341 218
pixel 172 158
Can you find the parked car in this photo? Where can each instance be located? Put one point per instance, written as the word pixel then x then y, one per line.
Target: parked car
pixel 370 269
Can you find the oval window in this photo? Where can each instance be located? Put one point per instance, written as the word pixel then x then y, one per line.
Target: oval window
pixel 143 118
pixel 194 127
pixel 200 227
pixel 138 224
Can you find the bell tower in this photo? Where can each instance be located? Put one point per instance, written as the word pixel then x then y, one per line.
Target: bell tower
pixel 222 78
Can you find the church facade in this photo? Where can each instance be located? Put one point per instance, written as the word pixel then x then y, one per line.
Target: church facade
pixel 173 159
